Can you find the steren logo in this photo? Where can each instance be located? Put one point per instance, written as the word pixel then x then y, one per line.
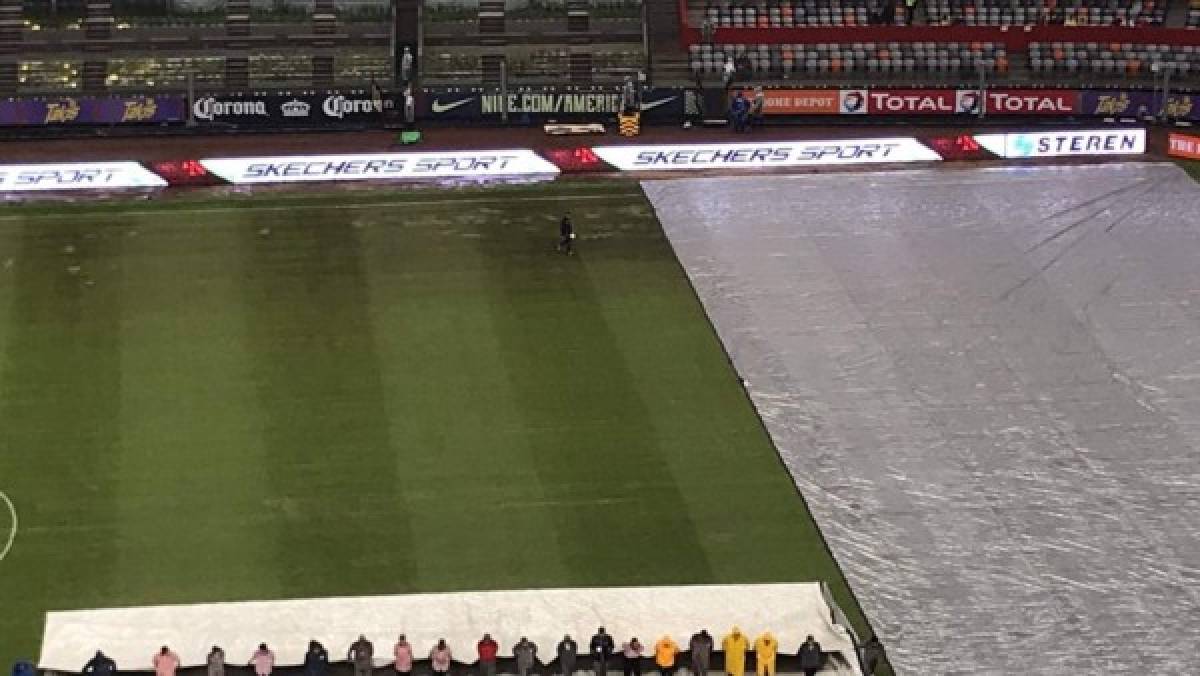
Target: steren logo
pixel 210 108
pixel 339 106
pixel 295 108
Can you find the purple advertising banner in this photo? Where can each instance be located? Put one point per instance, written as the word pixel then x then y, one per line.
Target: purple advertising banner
pixel 1138 103
pixel 92 110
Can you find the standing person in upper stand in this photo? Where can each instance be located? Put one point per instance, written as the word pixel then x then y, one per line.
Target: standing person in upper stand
pixel 601 649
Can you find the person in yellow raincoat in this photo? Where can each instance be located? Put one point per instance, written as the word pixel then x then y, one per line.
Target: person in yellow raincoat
pixel 734 645
pixel 765 649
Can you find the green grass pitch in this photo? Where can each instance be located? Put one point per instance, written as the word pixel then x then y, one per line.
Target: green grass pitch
pixel 389 392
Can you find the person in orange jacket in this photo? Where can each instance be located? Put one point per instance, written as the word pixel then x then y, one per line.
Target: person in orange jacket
pixel 765 649
pixel 735 645
pixel 665 652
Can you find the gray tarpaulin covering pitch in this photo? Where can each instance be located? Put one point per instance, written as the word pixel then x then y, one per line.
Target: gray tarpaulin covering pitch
pixel 986 383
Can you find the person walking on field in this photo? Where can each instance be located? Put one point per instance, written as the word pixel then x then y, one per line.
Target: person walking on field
pixel 263 660
pixel 166 662
pixel 488 649
pixel 362 655
pixel 216 662
pixel 440 657
pixel 810 656
pixel 766 647
pixel 526 653
pixel 601 650
pixel 100 665
pixel 735 645
pixel 665 652
pixel 567 651
pixel 566 236
pixel 632 650
pixel 316 660
pixel 402 656
pixel 701 647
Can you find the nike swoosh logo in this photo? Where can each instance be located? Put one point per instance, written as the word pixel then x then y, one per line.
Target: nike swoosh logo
pixel 438 107
pixel 647 105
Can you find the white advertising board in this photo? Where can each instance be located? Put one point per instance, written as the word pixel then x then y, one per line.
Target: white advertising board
pixel 765 154
pixel 77 176
pixel 378 166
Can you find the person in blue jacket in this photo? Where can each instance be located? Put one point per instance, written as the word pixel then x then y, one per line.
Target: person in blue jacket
pixel 739 109
pixel 316 660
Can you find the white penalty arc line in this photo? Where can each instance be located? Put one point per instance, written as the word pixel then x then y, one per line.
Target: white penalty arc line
pixel 12 536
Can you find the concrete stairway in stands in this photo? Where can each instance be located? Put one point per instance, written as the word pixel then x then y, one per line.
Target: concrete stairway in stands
pixel 668 61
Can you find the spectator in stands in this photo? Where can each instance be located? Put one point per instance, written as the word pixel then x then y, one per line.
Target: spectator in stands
pixel 810 656
pixel 665 652
pixel 729 72
pixel 708 30
pixel 165 662
pixel 568 651
pixel 216 662
pixel 873 655
pixel 316 660
pixel 403 655
pixel 765 649
pixel 362 655
pixel 757 107
pixel 735 645
pixel 632 651
pixel 487 649
pixel 526 653
pixel 100 665
pixel 406 66
pixel 701 647
pixel 440 658
pixel 739 111
pixel 263 660
pixel 601 650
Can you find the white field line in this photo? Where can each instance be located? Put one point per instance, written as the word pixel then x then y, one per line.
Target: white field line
pixel 12 536
pixel 340 206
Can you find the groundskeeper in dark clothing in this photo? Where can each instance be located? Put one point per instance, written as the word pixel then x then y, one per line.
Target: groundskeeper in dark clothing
pixel 568 650
pixel 100 665
pixel 601 650
pixel 316 660
pixel 701 646
pixel 810 657
pixel 362 656
pixel 873 655
pixel 566 235
pixel 526 653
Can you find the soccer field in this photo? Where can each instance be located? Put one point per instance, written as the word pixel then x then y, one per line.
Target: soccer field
pixel 372 392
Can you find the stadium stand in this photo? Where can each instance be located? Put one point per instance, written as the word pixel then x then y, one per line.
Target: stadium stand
pixel 1129 60
pixel 831 13
pixel 808 60
pixel 1193 16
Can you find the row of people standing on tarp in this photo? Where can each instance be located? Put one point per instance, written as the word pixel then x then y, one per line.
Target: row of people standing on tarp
pixel 602 651
pixel 746 113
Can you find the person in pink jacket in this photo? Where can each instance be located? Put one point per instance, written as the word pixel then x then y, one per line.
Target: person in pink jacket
pixel 439 658
pixel 263 660
pixel 166 662
pixel 404 657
